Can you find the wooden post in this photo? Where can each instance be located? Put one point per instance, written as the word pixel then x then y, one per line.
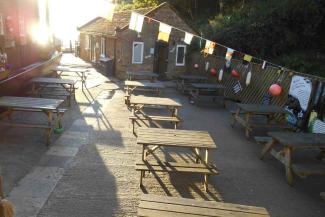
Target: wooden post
pixel 287 161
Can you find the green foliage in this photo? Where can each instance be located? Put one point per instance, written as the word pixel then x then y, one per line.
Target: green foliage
pixel 127 5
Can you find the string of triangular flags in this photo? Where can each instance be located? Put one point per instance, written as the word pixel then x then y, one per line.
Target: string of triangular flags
pixel 136 23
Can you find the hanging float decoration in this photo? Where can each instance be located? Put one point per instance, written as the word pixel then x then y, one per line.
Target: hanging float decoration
pixel 220 75
pixel 234 73
pixel 248 78
pixel 196 66
pixel 213 72
pixel 275 89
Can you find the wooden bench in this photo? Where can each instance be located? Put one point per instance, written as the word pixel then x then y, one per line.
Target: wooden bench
pixel 308 168
pixel 162 206
pixel 154 119
pixel 159 166
pixel 60 112
pixel 262 140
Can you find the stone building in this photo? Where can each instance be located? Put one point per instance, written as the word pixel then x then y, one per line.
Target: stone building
pixel 16 20
pixel 131 51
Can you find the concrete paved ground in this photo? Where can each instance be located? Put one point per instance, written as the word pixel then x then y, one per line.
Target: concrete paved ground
pixel 89 169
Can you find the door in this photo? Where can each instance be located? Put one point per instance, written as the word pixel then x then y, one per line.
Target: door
pixel 161 59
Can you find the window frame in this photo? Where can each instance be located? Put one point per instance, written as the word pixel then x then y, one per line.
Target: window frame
pixel 183 63
pixel 87 41
pixel 22 27
pixel 103 46
pixel 2 28
pixel 142 49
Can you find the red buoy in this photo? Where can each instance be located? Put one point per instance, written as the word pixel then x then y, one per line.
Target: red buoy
pixel 275 90
pixel 235 74
pixel 213 72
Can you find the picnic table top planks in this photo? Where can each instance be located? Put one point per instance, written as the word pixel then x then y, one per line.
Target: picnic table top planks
pixel 29 103
pixel 177 138
pixel 68 69
pixel 207 86
pixel 299 140
pixel 192 77
pixel 142 73
pixel 260 108
pixel 159 101
pixel 154 205
pixel 45 80
pixel 144 84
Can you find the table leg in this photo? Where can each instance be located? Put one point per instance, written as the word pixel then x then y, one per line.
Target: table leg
pixel 197 155
pixel 287 161
pixel 206 176
pixel 247 117
pixel 267 147
pixel 49 130
pixel 236 115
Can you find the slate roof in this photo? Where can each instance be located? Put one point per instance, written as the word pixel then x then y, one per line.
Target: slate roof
pixel 120 19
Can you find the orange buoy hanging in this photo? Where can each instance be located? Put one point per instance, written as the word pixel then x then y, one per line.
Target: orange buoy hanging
pixel 275 89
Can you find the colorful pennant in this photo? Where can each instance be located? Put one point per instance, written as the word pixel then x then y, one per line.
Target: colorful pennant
pixel 136 22
pixel 164 32
pixel 209 47
pixel 229 54
pixel 188 38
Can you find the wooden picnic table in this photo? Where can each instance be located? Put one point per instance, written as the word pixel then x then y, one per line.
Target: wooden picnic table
pixel 207 92
pixel 183 81
pixel 290 142
pixel 81 72
pixel 163 206
pixel 138 103
pixel 130 86
pixel 250 110
pixel 194 140
pixel 131 75
pixel 76 65
pixel 29 104
pixel 44 82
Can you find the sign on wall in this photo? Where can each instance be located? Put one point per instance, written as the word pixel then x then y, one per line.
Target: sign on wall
pixel 298 99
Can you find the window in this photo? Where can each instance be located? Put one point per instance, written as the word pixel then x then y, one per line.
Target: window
pixel 180 55
pixel 87 42
pixel 22 30
pixel 103 46
pixel 1 25
pixel 137 53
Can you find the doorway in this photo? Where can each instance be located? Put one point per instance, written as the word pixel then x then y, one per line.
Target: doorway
pixel 161 59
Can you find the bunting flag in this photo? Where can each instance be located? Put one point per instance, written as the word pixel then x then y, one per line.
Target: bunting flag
pixel 136 22
pixel 164 32
pixel 209 47
pixel 188 38
pixel 264 65
pixel 229 54
pixel 247 59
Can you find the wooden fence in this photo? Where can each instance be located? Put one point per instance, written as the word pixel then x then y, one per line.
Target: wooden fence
pixel 261 79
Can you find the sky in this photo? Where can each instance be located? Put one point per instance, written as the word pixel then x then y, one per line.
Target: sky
pixel 67 15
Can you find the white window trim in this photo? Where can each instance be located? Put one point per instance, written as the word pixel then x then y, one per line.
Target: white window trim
pixel 142 48
pixel 87 42
pixel 1 25
pixel 183 63
pixel 22 30
pixel 103 45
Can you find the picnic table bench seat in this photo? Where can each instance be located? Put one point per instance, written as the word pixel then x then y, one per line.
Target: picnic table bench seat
pixel 308 168
pixel 162 206
pixel 160 166
pixel 154 118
